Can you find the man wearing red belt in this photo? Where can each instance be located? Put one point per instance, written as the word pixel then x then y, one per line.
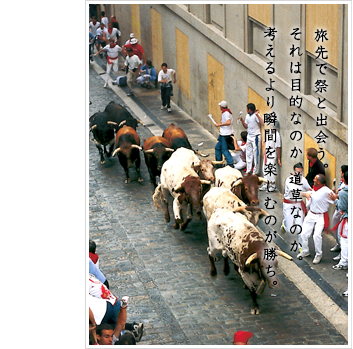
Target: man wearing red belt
pixel 294 209
pixel 112 58
pixel 317 217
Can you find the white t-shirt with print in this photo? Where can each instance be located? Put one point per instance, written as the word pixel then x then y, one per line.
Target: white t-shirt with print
pixel 226 130
pixel 168 75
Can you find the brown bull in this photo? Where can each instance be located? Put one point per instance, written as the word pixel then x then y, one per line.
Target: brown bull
pixel 247 189
pixel 178 139
pixel 157 151
pixel 127 146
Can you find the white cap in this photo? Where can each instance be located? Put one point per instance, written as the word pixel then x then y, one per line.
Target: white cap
pixel 223 104
pixel 133 41
pixel 132 35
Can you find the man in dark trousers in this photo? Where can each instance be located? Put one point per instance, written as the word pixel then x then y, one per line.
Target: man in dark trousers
pixel 315 166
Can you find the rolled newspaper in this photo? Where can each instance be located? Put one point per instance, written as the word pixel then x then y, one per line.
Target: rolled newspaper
pixel 211 118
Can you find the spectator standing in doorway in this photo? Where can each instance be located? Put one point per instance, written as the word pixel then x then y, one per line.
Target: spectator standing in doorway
pixel 252 123
pixel 315 166
pixel 166 77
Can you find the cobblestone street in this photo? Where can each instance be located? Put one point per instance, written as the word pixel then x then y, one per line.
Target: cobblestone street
pixel 166 271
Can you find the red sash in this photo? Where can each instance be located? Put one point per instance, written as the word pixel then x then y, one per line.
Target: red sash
pixel 295 202
pixel 345 220
pixel 93 257
pixel 110 59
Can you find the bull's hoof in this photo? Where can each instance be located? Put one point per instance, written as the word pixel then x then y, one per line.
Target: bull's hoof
pixel 140 179
pixel 176 226
pixel 127 180
pixel 102 162
pixel 255 311
pixel 167 220
pixel 184 225
pixel 226 271
pixel 213 272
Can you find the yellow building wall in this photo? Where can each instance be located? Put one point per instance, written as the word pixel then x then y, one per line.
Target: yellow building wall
pixel 327 159
pixel 183 66
pixel 135 21
pixel 326 17
pixel 157 45
pixel 215 72
pixel 262 13
pixel 262 107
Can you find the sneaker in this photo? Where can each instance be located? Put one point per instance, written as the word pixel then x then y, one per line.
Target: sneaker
pixel 138 331
pixel 124 301
pixel 273 187
pixel 114 82
pixel 301 255
pixel 345 293
pixel 106 84
pixel 339 267
pixel 316 259
pixel 336 248
pixel 264 187
pixel 169 110
pixel 337 258
pixel 347 275
pixel 130 94
pixel 163 107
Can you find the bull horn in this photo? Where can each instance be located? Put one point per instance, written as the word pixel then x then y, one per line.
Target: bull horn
pixel 285 255
pixel 263 180
pixel 251 258
pixel 177 188
pixel 264 212
pixel 169 149
pixel 148 151
pixel 203 155
pixel 116 151
pixel 140 122
pixel 238 182
pixel 93 127
pixel 203 181
pixel 136 146
pixel 195 164
pixel 122 123
pixel 218 162
pixel 111 123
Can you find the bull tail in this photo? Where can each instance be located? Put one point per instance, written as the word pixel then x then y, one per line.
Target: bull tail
pixel 203 155
pixel 157 196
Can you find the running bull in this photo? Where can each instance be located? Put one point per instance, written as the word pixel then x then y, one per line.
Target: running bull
pixel 245 188
pixel 127 146
pixel 235 237
pixel 180 180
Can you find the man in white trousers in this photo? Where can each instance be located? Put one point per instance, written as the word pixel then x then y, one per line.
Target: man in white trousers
pixel 252 123
pixel 112 58
pixel 294 209
pixel 317 217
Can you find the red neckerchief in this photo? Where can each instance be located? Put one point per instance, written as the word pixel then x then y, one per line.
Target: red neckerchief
pixel 226 109
pixel 110 30
pixel 317 187
pixel 243 143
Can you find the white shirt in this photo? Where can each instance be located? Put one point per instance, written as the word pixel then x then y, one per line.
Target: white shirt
pixel 94 27
pixel 133 62
pixel 112 52
pixel 242 153
pixel 105 21
pixel 320 202
pixel 98 307
pixel 168 75
pixel 114 35
pixel 290 187
pixel 100 31
pixel 253 125
pixel 99 290
pixel 226 130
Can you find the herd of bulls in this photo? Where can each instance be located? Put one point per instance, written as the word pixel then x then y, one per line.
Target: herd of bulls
pixel 228 200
